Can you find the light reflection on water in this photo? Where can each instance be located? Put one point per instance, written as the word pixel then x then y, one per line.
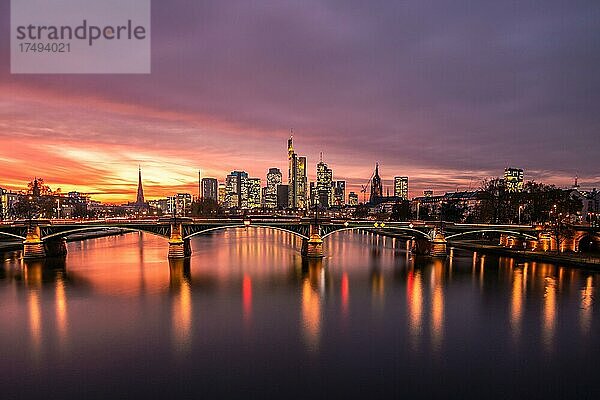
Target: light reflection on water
pixel 246 303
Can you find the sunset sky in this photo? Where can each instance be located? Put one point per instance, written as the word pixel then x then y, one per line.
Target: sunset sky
pixel 446 92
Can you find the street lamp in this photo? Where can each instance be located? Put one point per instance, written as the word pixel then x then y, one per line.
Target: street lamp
pixel 520 209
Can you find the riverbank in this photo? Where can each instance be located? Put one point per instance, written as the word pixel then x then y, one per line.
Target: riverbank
pixel 571 259
pixel 568 259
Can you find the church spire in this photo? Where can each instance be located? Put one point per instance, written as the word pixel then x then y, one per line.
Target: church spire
pixel 140 192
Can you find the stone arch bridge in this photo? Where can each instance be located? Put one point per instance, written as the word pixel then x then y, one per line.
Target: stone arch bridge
pixel 43 238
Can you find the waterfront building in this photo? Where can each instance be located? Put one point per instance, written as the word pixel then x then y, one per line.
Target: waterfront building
pixel 179 204
pixel 7 200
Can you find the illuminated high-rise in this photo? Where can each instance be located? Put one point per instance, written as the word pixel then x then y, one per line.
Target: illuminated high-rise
pixel 253 191
pixel 324 195
pixel 236 190
pixel 221 194
pixel 274 178
pixel 513 179
pixel 179 204
pixel 401 187
pixel 297 182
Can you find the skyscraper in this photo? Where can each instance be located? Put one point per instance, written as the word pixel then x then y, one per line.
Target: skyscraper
pixel 296 178
pixel 376 187
pixel 209 188
pixel 324 195
pixel 140 191
pixel 221 193
pixel 339 193
pixel 236 190
pixel 282 196
pixel 253 193
pixel 353 199
pixel 401 187
pixel 513 179
pixel 274 178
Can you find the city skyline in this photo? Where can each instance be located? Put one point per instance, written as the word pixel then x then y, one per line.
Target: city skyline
pixel 444 101
pixel 389 184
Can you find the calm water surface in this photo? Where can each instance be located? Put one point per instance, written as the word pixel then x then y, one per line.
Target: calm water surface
pixel 246 316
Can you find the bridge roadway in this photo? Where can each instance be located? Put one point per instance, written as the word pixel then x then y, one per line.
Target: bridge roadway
pixel 43 238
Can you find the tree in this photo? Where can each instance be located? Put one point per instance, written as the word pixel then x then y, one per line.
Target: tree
pixel 453 211
pixel 497 205
pixel 425 213
pixel 37 188
pixel 27 207
pixel 400 211
pixel 361 211
pixel 560 230
pixel 205 208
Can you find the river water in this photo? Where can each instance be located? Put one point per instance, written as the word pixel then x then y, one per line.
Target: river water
pixel 246 316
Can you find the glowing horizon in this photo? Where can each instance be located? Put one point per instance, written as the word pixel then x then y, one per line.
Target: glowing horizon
pixel 446 101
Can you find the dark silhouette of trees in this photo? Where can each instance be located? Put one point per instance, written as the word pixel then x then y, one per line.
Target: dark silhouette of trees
pixel 206 208
pixel 401 211
pixel 453 211
pixel 534 203
pixel 361 211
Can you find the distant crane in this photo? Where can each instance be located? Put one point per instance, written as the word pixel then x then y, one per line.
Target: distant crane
pixel 364 192
pixel 363 188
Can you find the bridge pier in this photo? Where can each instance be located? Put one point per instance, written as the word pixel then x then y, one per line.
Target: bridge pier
pixel 33 246
pixel 313 247
pixel 178 247
pixel 438 245
pixel 56 247
pixel 434 248
pixel 420 246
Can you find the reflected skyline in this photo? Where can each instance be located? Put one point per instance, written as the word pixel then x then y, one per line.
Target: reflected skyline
pixel 248 292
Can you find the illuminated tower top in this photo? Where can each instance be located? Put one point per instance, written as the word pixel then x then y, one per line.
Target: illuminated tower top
pixel 290 146
pixel 140 192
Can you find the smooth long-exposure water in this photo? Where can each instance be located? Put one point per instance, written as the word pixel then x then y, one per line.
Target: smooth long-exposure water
pixel 246 316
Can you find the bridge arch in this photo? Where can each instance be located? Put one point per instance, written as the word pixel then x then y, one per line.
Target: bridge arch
pixel 12 235
pixel 526 235
pixel 350 228
pixel 237 226
pixel 96 228
pixel 590 242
